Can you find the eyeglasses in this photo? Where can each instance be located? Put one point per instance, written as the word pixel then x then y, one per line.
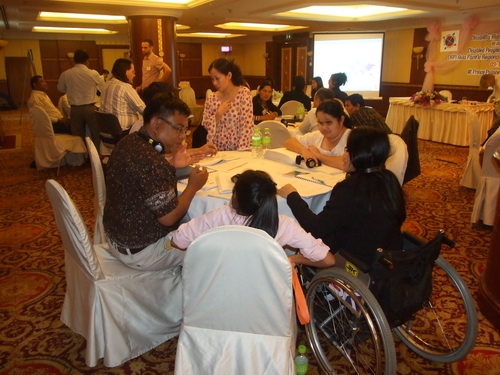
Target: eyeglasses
pixel 179 129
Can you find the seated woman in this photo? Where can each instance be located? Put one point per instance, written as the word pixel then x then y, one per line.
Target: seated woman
pixel 326 144
pixel 336 80
pixel 263 107
pixel 316 84
pixel 366 210
pixel 227 116
pixel 254 204
pixel 297 93
pixel 310 122
pixel 119 96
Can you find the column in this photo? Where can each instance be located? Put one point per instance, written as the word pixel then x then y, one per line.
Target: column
pixel 489 292
pixel 161 30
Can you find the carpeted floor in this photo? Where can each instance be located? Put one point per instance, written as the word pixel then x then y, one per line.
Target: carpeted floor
pixel 34 341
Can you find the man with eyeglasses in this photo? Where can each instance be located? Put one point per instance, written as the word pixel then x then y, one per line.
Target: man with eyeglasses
pixel 142 202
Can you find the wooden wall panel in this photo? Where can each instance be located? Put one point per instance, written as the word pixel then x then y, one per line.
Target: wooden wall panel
pixel 286 69
pixel 301 68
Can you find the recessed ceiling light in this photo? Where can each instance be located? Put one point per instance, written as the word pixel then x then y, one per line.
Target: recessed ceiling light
pixel 257 26
pixel 210 35
pixel 67 17
pixel 360 12
pixel 72 30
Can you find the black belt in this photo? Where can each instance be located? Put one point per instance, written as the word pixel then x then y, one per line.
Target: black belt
pixel 82 105
pixel 123 249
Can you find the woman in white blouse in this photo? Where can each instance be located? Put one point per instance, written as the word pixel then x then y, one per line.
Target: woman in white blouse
pixel 327 144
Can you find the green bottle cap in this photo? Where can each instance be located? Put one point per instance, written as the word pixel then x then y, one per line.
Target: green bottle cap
pixel 302 349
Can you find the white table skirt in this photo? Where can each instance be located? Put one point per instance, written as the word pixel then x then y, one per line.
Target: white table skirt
pixel 446 123
pixel 210 199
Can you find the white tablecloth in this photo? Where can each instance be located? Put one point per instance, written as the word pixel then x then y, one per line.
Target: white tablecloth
pixel 238 161
pixel 445 122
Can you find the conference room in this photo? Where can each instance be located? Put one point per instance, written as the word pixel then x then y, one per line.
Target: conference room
pixel 387 57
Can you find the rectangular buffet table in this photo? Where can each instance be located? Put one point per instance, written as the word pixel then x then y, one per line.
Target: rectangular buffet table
pixel 444 122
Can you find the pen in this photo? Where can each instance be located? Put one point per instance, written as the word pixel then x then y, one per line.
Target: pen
pixel 320 181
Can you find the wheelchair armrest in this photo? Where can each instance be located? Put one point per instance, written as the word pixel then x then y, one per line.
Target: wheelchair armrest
pixel 360 264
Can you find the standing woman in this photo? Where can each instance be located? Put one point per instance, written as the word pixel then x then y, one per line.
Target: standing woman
pixel 263 107
pixel 227 116
pixel 336 80
pixel 316 84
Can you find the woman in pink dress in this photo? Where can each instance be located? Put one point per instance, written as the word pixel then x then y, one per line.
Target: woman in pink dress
pixel 228 114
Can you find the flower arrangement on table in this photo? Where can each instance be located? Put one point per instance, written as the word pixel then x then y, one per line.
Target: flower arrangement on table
pixel 425 98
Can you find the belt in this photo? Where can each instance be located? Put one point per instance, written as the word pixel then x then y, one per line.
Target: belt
pixel 126 250
pixel 82 105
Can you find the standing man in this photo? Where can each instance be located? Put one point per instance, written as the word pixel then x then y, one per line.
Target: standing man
pixel 81 85
pixel 39 97
pixel 153 67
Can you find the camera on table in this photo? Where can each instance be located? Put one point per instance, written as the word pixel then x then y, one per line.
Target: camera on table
pixel 310 163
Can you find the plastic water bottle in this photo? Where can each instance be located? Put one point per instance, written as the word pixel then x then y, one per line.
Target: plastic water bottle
pixel 266 139
pixel 256 143
pixel 301 361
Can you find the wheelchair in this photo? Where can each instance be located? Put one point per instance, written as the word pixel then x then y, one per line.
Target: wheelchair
pixel 350 331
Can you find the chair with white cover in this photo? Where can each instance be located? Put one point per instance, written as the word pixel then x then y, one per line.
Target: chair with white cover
pixel 53 150
pixel 290 107
pixel 279 132
pixel 99 184
pixel 208 94
pixel 447 94
pixel 472 170
pixel 485 200
pixel 253 93
pixel 239 315
pixel 398 157
pixel 188 96
pixel 121 312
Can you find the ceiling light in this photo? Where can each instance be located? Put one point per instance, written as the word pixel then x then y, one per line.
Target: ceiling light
pixel 258 26
pixel 349 13
pixel 71 30
pixel 210 35
pixel 67 17
pixel 174 4
pixel 178 26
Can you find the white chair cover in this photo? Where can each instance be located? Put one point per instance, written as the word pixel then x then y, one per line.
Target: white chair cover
pixel 188 96
pixel 53 150
pixel 279 132
pixel 99 184
pixel 253 93
pixel 485 200
pixel 398 157
pixel 120 311
pixel 208 94
pixel 472 171
pixel 289 108
pixel 239 315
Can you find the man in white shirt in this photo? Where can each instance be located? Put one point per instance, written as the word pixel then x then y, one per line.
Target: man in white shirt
pixel 81 85
pixel 39 97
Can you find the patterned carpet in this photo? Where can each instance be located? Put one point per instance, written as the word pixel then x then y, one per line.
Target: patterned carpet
pixel 34 341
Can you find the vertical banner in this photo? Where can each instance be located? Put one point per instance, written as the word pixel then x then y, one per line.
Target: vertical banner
pixel 449 40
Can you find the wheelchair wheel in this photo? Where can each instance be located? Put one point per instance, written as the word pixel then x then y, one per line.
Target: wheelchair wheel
pixel 348 332
pixel 444 330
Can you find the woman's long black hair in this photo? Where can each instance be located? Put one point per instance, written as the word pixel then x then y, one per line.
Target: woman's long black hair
pixel 255 194
pixel 368 149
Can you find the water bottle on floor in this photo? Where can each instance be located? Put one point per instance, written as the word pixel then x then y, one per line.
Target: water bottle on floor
pixel 256 143
pixel 301 361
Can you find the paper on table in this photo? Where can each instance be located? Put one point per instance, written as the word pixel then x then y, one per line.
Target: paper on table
pixel 282 155
pixel 224 182
pixel 210 184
